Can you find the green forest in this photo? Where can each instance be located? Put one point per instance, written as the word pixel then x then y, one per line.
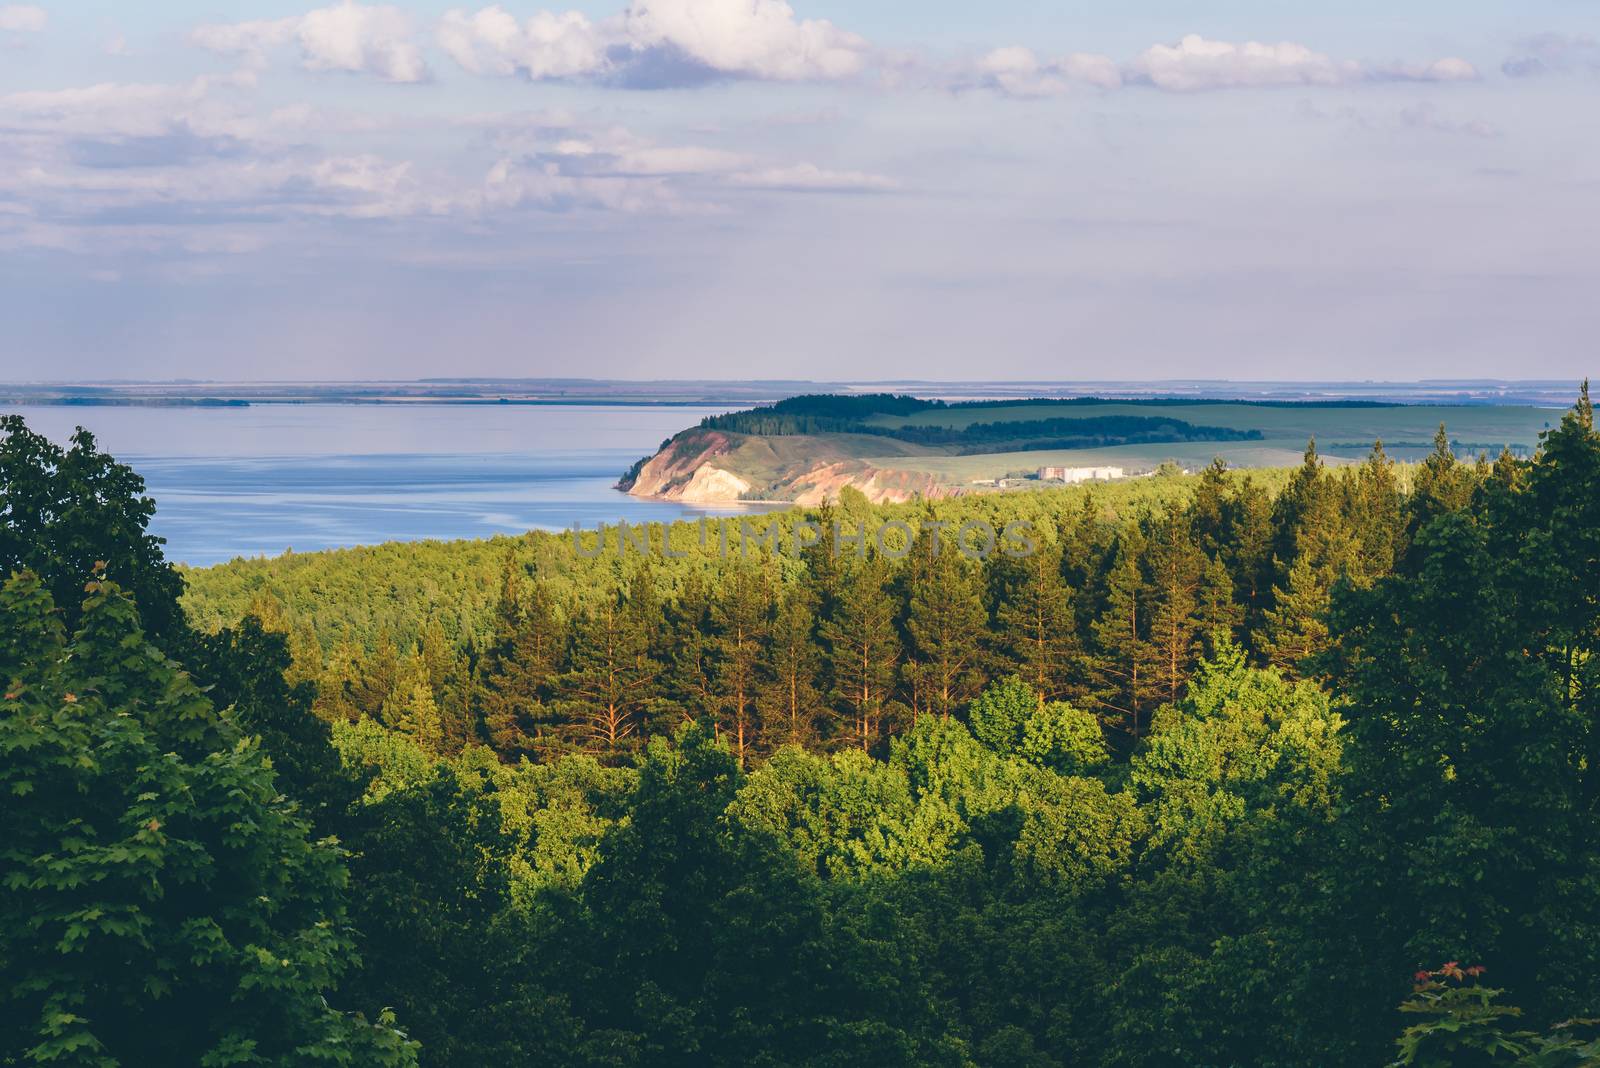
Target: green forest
pixel 1274 768
pixel 832 414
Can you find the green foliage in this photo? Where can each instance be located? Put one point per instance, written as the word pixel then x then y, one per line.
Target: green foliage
pixel 845 817
pixel 1198 783
pixel 243 671
pixel 162 902
pixel 1064 739
pixel 1463 1026
pixel 431 897
pixel 1001 712
pixel 71 513
pixel 855 414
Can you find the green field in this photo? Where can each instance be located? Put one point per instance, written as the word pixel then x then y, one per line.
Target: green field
pixel 1475 423
pixel 1132 458
pixel 1343 433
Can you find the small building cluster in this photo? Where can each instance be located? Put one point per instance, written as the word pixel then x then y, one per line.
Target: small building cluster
pixel 1079 474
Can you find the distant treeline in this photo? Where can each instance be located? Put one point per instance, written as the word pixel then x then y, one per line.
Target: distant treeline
pixel 127 402
pixel 826 414
pixel 1088 433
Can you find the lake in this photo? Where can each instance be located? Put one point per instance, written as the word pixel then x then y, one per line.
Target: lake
pixel 255 481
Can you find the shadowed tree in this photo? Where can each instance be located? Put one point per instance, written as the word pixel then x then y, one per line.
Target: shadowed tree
pixel 163 903
pixel 517 669
pixel 1296 628
pixel 1038 631
pixel 1374 504
pixel 792 706
pixel 690 680
pixel 1442 485
pixel 1126 664
pixel 243 669
pixel 65 511
pixel 740 616
pixel 863 649
pixel 946 624
pixel 1177 569
pixel 610 688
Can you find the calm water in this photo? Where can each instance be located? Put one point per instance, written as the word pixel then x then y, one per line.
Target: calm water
pixel 255 481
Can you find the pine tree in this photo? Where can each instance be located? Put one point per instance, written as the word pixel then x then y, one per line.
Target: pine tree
pixel 337 683
pixel 1374 510
pixel 516 671
pixel 1247 550
pixel 740 618
pixel 376 676
pixel 946 623
pixel 791 703
pixel 1309 523
pixel 1085 541
pixel 1219 614
pixel 610 690
pixel 1442 485
pixel 411 708
pixel 690 682
pixel 1177 569
pixel 1126 664
pixel 450 678
pixel 1037 628
pixel 825 563
pixel 863 649
pixel 1208 512
pixel 1296 628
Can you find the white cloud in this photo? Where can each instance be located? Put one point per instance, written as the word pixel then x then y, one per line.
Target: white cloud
pixel 1193 64
pixel 199 167
pixel 544 46
pixel 23 18
pixel 809 178
pixel 754 38
pixel 1441 70
pixel 120 109
pixel 1017 71
pixel 1196 63
pixel 352 37
pixel 511 184
pixel 656 42
pixel 617 152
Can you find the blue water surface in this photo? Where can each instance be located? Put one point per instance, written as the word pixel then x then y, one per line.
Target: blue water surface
pixel 256 481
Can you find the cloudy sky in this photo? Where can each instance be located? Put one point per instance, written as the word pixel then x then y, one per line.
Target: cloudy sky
pixel 741 188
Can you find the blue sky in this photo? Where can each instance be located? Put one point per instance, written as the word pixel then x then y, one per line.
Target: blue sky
pixel 745 188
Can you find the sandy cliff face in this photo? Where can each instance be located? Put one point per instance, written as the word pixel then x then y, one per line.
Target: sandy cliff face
pixel 711 466
pixel 672 471
pixel 824 481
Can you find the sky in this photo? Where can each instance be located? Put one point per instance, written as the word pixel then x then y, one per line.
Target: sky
pixel 1013 189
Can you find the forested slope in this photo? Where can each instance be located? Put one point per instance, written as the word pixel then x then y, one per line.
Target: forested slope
pixel 1222 772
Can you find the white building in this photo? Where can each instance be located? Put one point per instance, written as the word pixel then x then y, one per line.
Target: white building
pixel 1079 474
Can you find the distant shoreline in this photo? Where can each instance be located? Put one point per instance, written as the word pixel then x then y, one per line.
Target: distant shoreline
pixel 735 394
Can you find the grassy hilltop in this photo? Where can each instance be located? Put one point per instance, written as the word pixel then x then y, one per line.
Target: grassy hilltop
pixel 894 448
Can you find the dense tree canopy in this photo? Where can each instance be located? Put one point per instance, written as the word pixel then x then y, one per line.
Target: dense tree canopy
pixel 1271 769
pixel 162 902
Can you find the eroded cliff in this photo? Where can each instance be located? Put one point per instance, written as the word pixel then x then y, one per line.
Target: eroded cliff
pixel 710 466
